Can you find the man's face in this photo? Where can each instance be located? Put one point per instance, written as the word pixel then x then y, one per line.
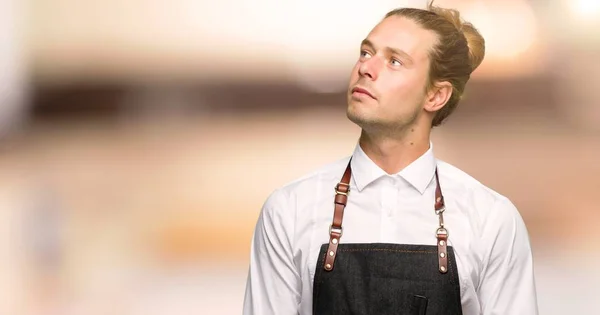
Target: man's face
pixel 388 82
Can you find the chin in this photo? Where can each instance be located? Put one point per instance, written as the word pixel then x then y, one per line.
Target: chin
pixel 360 108
pixel 358 117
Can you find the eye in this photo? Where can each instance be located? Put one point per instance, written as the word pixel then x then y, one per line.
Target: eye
pixel 396 62
pixel 364 54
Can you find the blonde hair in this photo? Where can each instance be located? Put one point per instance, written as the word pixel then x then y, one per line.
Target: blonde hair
pixel 460 49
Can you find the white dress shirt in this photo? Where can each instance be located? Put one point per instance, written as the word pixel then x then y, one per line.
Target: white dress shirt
pixel 489 237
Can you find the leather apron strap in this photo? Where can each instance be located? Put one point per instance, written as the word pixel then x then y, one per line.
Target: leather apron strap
pixel 342 190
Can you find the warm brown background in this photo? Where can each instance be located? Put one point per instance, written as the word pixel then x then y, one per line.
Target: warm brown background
pixel 140 139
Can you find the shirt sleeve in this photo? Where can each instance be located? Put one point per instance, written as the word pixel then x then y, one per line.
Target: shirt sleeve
pixel 507 284
pixel 273 285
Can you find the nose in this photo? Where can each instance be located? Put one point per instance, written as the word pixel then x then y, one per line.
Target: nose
pixel 369 68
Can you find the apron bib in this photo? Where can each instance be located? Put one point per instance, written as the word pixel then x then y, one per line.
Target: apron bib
pixel 381 278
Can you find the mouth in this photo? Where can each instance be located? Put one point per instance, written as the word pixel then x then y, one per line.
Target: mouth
pixel 358 91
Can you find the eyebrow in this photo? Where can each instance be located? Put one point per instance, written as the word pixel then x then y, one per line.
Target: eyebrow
pixel 395 51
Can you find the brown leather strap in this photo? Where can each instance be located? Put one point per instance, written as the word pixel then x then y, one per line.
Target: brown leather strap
pixel 342 190
pixel 441 233
pixel 439 198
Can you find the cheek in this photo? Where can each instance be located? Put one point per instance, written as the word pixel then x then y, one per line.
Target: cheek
pixel 408 89
pixel 397 92
pixel 402 97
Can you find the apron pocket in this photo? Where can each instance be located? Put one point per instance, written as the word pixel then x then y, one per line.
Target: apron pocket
pixel 418 305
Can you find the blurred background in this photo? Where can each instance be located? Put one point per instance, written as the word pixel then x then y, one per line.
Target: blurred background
pixel 139 140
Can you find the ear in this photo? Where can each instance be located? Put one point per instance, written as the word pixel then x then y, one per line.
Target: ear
pixel 438 96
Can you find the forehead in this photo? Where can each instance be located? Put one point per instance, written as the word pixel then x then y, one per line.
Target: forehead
pixel 403 34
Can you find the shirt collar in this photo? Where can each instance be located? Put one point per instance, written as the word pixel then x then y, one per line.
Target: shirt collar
pixel 418 174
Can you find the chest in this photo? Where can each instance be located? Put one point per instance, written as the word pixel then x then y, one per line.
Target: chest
pixel 391 216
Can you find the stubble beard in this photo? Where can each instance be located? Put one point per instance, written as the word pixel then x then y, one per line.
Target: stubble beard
pixel 377 127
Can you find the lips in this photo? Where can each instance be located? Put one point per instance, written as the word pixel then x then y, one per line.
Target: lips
pixel 362 91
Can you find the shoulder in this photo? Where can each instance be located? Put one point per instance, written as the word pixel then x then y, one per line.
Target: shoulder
pixel 483 202
pixel 458 180
pixel 289 206
pixel 331 172
pixel 308 186
pixel 495 221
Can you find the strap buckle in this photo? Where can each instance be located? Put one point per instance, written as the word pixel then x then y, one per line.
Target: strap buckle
pixel 441 210
pixel 338 230
pixel 442 232
pixel 337 189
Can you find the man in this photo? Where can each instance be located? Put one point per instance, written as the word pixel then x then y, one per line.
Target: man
pixel 391 229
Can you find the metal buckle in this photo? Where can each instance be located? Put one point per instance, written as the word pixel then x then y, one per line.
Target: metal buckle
pixel 442 231
pixel 336 188
pixel 339 230
pixel 438 212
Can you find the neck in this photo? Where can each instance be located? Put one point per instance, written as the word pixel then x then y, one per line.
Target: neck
pixel 394 154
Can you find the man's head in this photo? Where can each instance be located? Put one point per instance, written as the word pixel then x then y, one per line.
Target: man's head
pixel 412 69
